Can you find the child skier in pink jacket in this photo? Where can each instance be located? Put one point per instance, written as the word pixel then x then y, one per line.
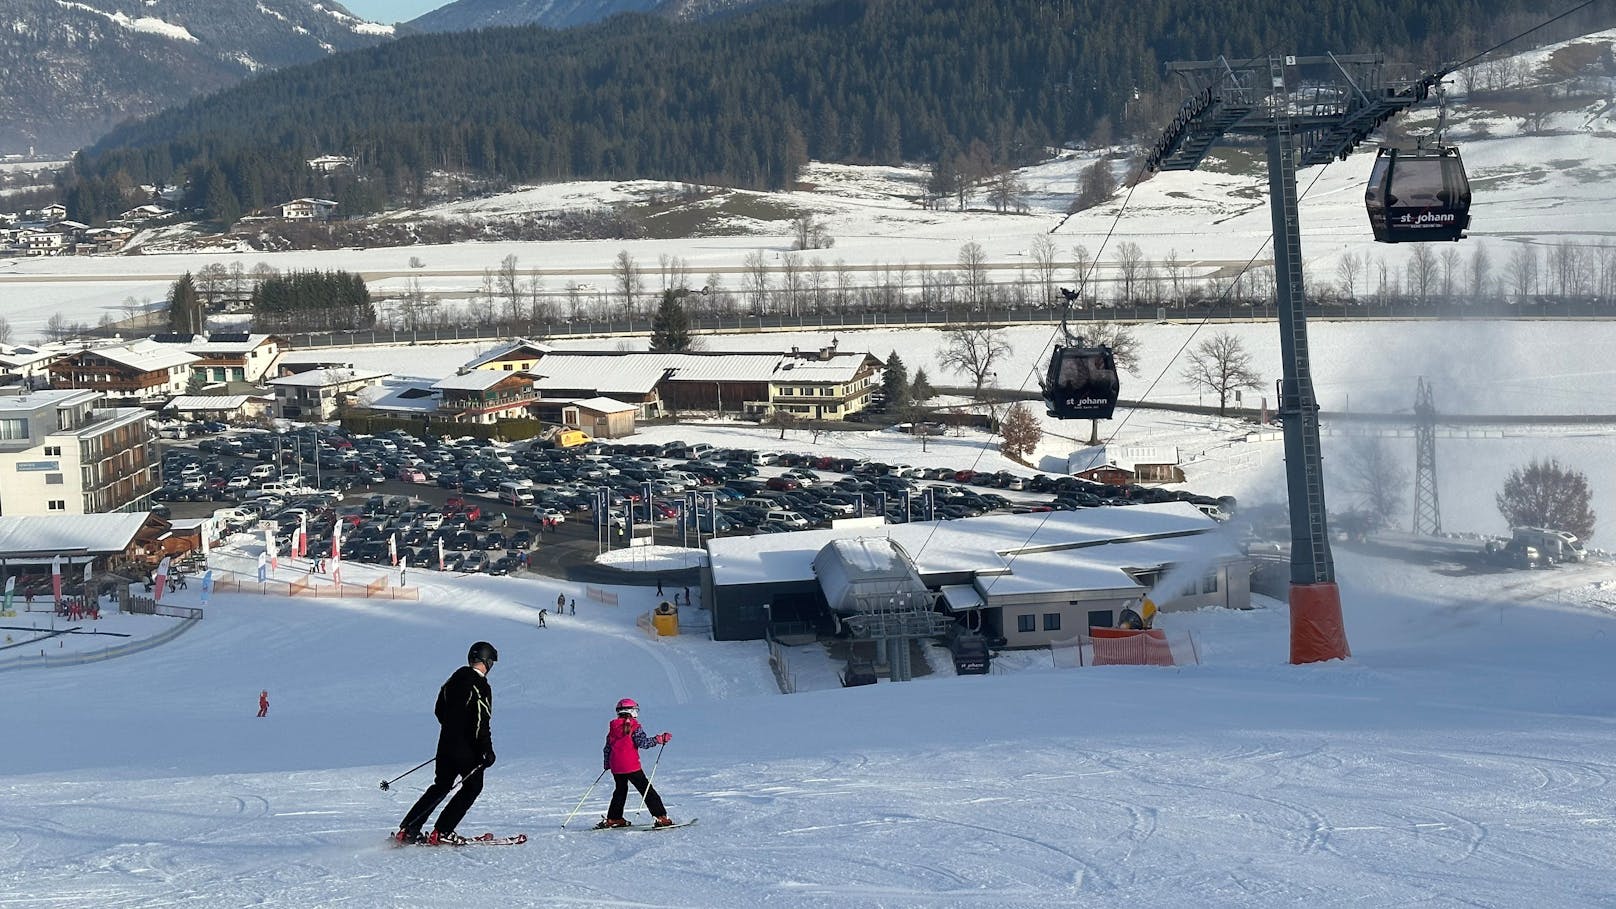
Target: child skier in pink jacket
pixel 624 739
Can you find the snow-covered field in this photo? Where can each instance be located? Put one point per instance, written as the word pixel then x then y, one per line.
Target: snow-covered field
pixel 1463 757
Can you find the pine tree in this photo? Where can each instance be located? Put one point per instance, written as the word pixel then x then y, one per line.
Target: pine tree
pixel 895 382
pixel 920 389
pixel 670 327
pixel 185 314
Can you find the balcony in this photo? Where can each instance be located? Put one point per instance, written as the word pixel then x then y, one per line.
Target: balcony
pixel 502 402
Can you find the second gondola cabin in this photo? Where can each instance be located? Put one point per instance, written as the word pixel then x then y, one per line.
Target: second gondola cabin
pixel 1418 195
pixel 1081 383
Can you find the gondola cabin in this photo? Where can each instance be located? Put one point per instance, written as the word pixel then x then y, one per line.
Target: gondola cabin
pixel 1417 195
pixel 1081 383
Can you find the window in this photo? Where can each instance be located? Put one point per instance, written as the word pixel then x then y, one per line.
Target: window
pixel 58 505
pixel 1052 621
pixel 53 451
pixel 1209 584
pixel 13 429
pixel 1100 618
pixel 53 479
pixel 509 366
pixel 1027 622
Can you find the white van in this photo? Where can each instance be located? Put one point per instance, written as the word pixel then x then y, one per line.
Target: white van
pixel 788 518
pixel 515 493
pixel 698 450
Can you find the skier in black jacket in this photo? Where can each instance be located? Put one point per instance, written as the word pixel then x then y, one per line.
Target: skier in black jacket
pixel 465 750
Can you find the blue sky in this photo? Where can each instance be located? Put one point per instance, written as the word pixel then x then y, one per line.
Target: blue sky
pixel 391 10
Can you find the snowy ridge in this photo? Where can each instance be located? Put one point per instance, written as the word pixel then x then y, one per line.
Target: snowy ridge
pixel 145 24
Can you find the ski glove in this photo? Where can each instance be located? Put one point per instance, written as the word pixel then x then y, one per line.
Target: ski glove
pixel 488 759
pixel 664 738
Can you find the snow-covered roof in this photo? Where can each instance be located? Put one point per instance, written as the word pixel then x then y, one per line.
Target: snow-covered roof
pixel 502 351
pixel 227 343
pixel 319 378
pixel 212 402
pixel 1009 553
pixel 475 380
pixel 146 355
pixel 851 571
pixel 628 373
pixel 601 404
pixel 67 534
pixel 1125 457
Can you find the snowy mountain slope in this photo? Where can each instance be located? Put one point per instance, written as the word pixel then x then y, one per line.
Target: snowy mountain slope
pixel 465 15
pixel 1462 757
pixel 73 68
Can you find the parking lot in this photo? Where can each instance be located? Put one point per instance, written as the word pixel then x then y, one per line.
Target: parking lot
pixel 499 508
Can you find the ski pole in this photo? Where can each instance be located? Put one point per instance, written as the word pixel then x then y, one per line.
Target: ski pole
pixel 580 804
pixel 387 783
pixel 651 782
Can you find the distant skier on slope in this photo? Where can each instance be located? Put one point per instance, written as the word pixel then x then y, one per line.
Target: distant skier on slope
pixel 624 739
pixel 263 703
pixel 465 749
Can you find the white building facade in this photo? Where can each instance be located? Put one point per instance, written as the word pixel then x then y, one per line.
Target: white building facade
pixel 63 452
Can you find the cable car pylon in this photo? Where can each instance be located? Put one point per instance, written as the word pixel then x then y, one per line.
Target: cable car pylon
pixel 1309 110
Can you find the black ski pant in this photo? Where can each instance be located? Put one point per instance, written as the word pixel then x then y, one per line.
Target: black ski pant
pixel 643 785
pixel 442 782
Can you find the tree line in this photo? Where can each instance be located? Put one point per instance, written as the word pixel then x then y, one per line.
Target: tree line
pixel 744 101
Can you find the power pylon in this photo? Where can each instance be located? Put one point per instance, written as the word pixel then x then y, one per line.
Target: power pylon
pixel 1427 507
pixel 1308 110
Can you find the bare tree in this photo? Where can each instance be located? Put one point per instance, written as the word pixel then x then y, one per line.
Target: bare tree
pixel 784 419
pixel 1020 431
pixel 1523 272
pixel 1450 273
pixel 1347 272
pixel 757 279
pixel 1082 274
pixel 1175 270
pixel 5 332
pixel 415 306
pixel 973 261
pixel 1480 274
pixel 1007 192
pixel 1095 184
pixel 973 350
pixel 509 284
pixel 1422 272
pixel 1221 366
pixel 844 286
pixel 791 283
pixel 808 232
pixel 1043 263
pixel 626 272
pixel 1130 264
pixel 538 311
pixel 1374 479
pixel 57 327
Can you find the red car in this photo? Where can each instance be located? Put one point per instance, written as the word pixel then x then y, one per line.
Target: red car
pixel 781 484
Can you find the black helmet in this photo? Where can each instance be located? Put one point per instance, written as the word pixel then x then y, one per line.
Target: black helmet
pixel 482 652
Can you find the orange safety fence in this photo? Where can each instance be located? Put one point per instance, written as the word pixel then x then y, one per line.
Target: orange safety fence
pixel 1131 647
pixel 601 596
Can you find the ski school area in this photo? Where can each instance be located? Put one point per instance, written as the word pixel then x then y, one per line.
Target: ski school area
pixel 1463 756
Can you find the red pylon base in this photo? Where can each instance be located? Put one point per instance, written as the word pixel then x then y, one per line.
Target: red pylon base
pixel 1317 631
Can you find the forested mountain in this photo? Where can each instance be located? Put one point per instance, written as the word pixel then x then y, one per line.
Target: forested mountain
pixel 464 15
pixel 70 70
pixel 743 100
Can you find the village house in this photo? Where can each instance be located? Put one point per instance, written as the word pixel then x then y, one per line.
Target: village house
pixel 139 373
pixel 485 396
pixel 517 355
pixel 28 363
pixel 319 393
pixel 234 409
pixel 330 164
pixel 308 209
pixel 228 356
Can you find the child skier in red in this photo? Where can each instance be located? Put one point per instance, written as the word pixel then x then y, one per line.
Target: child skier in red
pixel 624 739
pixel 263 703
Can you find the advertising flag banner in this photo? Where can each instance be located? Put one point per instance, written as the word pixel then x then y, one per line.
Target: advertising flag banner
pixel 56 579
pixel 162 580
pixel 263 566
pixel 440 554
pixel 336 552
pixel 207 537
pixel 302 535
pixel 207 586
pixel 392 548
pixel 269 548
pixel 11 591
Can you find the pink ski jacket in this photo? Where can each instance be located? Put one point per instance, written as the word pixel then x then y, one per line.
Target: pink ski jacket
pixel 624 739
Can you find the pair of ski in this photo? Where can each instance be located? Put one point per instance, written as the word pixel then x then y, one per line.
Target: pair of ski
pixel 517 839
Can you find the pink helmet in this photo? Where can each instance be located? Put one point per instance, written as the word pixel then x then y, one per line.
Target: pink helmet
pixel 627 707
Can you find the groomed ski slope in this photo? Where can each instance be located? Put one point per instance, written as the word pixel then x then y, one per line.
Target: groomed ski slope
pixel 1464 757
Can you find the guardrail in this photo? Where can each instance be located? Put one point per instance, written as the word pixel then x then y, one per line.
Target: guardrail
pixel 44 661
